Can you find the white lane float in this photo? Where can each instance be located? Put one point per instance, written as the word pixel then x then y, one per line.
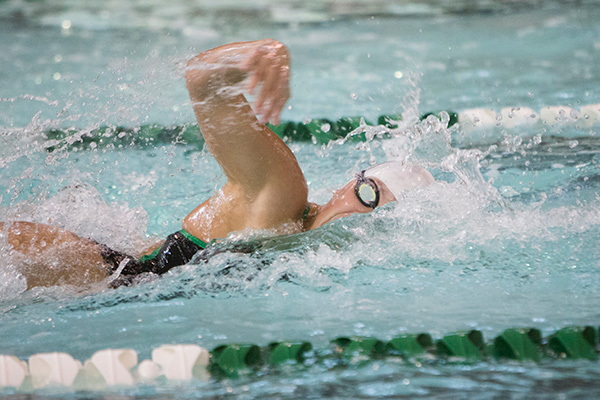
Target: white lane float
pixel 53 369
pixel 12 371
pixel 511 117
pixel 114 365
pixel 518 116
pixel 589 115
pixel 558 115
pixel 181 362
pixel 477 118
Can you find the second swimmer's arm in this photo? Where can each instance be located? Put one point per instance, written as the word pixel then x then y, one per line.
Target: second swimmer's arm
pixel 256 161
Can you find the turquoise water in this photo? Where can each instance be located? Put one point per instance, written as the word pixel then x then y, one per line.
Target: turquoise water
pixel 507 238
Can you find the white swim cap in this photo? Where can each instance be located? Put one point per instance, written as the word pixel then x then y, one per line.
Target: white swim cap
pixel 400 176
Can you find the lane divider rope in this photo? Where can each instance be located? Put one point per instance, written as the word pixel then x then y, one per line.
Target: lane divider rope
pixel 182 362
pixel 322 130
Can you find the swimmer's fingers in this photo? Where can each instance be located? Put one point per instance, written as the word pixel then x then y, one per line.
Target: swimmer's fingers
pixel 278 107
pixel 274 93
pixel 269 66
pixel 255 66
pixel 274 105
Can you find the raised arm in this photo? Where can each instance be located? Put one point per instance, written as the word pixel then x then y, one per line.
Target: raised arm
pixel 263 175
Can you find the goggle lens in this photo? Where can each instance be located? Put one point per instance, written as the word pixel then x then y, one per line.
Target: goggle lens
pixel 366 191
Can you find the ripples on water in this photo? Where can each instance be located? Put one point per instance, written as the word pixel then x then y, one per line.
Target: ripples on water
pixel 506 238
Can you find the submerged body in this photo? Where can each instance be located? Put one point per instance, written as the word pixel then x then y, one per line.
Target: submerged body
pixel 265 186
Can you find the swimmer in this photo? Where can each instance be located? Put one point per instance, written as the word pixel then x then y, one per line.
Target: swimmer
pixel 265 188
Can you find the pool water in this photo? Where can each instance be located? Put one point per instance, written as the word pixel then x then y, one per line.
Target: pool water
pixel 508 237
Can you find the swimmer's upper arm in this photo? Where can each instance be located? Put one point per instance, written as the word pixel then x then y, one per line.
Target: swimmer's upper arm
pixel 255 160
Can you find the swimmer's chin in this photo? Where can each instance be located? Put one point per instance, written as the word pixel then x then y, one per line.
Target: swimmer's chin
pixel 319 223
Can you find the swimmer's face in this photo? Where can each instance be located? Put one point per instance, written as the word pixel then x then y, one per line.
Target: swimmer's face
pixel 345 202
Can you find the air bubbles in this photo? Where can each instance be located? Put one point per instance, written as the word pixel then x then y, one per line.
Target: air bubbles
pixel 56 76
pixel 58 58
pixel 398 75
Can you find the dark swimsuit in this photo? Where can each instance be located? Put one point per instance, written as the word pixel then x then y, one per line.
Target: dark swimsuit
pixel 178 249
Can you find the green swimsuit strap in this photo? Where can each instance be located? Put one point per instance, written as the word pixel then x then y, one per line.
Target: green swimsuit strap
pixel 193 239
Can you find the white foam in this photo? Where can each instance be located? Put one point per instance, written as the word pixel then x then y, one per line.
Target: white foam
pixel 80 209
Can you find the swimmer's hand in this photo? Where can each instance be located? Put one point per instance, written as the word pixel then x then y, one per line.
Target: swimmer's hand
pixel 269 67
pixel 264 64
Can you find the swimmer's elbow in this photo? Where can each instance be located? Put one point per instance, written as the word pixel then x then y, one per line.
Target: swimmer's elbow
pixel 197 79
pixel 206 74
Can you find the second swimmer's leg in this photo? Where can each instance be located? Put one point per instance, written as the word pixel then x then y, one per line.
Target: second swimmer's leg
pixel 49 256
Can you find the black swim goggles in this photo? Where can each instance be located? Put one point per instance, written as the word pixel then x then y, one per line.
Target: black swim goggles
pixel 366 191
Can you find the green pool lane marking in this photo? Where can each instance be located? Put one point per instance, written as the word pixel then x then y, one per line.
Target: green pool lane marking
pixel 462 345
pixel 519 344
pixel 358 345
pixel 281 352
pixel 229 359
pixel 575 342
pixel 410 345
pixel 317 130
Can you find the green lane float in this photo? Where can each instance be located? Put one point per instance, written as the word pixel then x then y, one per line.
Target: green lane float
pixel 229 359
pixel 410 345
pixel 519 344
pixel 359 346
pixel 391 121
pixel 575 342
pixel 323 130
pixel 282 352
pixel 180 362
pixel 453 117
pixel 468 346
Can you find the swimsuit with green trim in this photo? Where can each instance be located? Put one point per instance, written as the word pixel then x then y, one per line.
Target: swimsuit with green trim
pixel 178 249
